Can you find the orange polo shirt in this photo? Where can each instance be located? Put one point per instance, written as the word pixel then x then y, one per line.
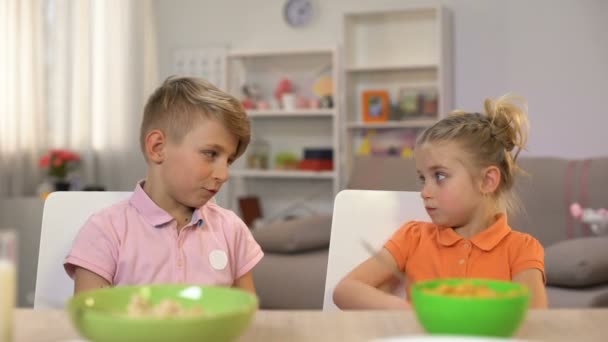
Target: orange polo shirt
pixel 426 251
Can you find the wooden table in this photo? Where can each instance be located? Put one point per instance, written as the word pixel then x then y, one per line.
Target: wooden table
pixel 293 326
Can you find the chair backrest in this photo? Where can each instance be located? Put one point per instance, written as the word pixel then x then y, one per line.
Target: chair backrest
pixel 63 215
pixel 369 215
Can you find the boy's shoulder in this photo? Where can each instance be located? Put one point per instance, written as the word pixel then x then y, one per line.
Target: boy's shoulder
pixel 113 210
pixel 214 209
pixel 113 214
pixel 225 222
pixel 221 217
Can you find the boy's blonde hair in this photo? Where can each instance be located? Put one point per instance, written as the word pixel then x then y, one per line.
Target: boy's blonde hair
pixel 180 102
pixel 491 139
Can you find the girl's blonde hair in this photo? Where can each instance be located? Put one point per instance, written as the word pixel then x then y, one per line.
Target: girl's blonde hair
pixel 494 138
pixel 180 102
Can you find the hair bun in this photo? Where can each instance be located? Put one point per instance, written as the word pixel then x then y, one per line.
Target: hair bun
pixel 508 121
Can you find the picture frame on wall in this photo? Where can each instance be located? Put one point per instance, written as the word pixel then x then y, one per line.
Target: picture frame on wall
pixel 375 105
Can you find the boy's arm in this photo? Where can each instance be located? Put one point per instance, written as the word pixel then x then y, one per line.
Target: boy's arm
pixel 245 283
pixel 533 279
pixel 86 280
pixel 360 289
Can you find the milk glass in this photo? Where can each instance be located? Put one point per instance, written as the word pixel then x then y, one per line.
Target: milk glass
pixel 8 255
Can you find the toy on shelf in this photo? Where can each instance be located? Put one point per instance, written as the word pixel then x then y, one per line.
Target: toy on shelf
pixel 323 89
pixel 258 154
pixel 365 148
pixel 252 96
pixel 286 161
pixel 323 86
pixel 597 219
pixel 284 94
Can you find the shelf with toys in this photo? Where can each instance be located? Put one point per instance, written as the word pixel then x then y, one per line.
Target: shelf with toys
pixel 397 78
pixel 390 68
pixel 296 174
pixel 278 113
pixel 289 97
pixel 411 123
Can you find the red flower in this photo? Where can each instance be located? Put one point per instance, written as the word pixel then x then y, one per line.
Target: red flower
pixel 59 162
pixel 45 160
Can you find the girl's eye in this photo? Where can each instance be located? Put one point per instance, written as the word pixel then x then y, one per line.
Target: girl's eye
pixel 421 179
pixel 439 176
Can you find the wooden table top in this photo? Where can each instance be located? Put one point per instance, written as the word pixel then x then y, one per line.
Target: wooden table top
pixel 293 326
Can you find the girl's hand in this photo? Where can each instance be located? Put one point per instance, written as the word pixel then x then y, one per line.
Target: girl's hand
pixel 361 288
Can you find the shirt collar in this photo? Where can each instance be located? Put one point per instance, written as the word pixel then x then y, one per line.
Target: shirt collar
pixel 485 240
pixel 154 214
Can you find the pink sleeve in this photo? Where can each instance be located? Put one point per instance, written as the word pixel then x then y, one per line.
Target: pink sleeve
pixel 95 249
pixel 247 252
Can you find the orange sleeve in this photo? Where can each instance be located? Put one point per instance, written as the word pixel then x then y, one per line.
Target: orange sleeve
pixel 530 254
pixel 401 244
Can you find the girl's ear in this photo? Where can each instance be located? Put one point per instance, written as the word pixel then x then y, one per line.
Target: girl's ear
pixel 155 145
pixel 490 180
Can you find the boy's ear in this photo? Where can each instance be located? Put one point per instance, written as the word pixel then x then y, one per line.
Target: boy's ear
pixel 490 179
pixel 155 144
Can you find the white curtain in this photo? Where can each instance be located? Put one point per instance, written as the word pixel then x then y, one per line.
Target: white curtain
pixel 103 66
pixel 22 118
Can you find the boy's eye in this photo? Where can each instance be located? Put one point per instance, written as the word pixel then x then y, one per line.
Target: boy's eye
pixel 210 154
pixel 421 179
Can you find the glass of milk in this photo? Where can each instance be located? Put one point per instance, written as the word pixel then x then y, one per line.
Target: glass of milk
pixel 8 255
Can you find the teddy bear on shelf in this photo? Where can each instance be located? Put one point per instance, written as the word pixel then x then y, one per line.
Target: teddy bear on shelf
pixel 597 219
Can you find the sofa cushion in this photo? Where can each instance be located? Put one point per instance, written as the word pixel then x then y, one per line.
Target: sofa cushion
pixel 296 235
pixel 578 262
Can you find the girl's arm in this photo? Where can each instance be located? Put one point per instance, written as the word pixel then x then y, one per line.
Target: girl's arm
pixel 86 280
pixel 245 283
pixel 360 288
pixel 533 279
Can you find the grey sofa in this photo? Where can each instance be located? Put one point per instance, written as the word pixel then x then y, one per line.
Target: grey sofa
pixel 576 262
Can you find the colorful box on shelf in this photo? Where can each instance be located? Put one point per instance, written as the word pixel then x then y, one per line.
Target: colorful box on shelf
pixel 319 153
pixel 317 159
pixel 316 165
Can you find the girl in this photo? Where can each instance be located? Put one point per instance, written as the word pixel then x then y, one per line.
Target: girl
pixel 466 164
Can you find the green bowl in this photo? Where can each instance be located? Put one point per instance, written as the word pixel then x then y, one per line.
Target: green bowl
pixel 101 315
pixel 445 314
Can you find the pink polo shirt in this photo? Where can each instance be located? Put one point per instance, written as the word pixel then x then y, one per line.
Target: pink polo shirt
pixel 136 242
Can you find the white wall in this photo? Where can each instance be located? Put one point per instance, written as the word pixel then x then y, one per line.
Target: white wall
pixel 553 52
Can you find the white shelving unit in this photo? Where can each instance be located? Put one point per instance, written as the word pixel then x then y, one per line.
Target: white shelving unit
pixel 407 48
pixel 286 192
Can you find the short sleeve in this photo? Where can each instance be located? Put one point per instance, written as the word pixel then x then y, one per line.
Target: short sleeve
pixel 528 255
pixel 247 252
pixel 402 243
pixel 95 248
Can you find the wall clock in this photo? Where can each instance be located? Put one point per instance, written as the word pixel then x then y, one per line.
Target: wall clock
pixel 298 13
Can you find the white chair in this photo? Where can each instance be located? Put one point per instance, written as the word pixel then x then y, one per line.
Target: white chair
pixel 367 215
pixel 63 216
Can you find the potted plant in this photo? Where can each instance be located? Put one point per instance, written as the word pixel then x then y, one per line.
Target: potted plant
pixel 58 165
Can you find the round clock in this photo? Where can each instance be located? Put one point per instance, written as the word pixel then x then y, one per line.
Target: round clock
pixel 298 13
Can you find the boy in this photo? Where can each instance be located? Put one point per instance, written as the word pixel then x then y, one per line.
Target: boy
pixel 168 231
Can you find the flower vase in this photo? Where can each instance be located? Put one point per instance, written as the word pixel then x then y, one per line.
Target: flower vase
pixel 61 185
